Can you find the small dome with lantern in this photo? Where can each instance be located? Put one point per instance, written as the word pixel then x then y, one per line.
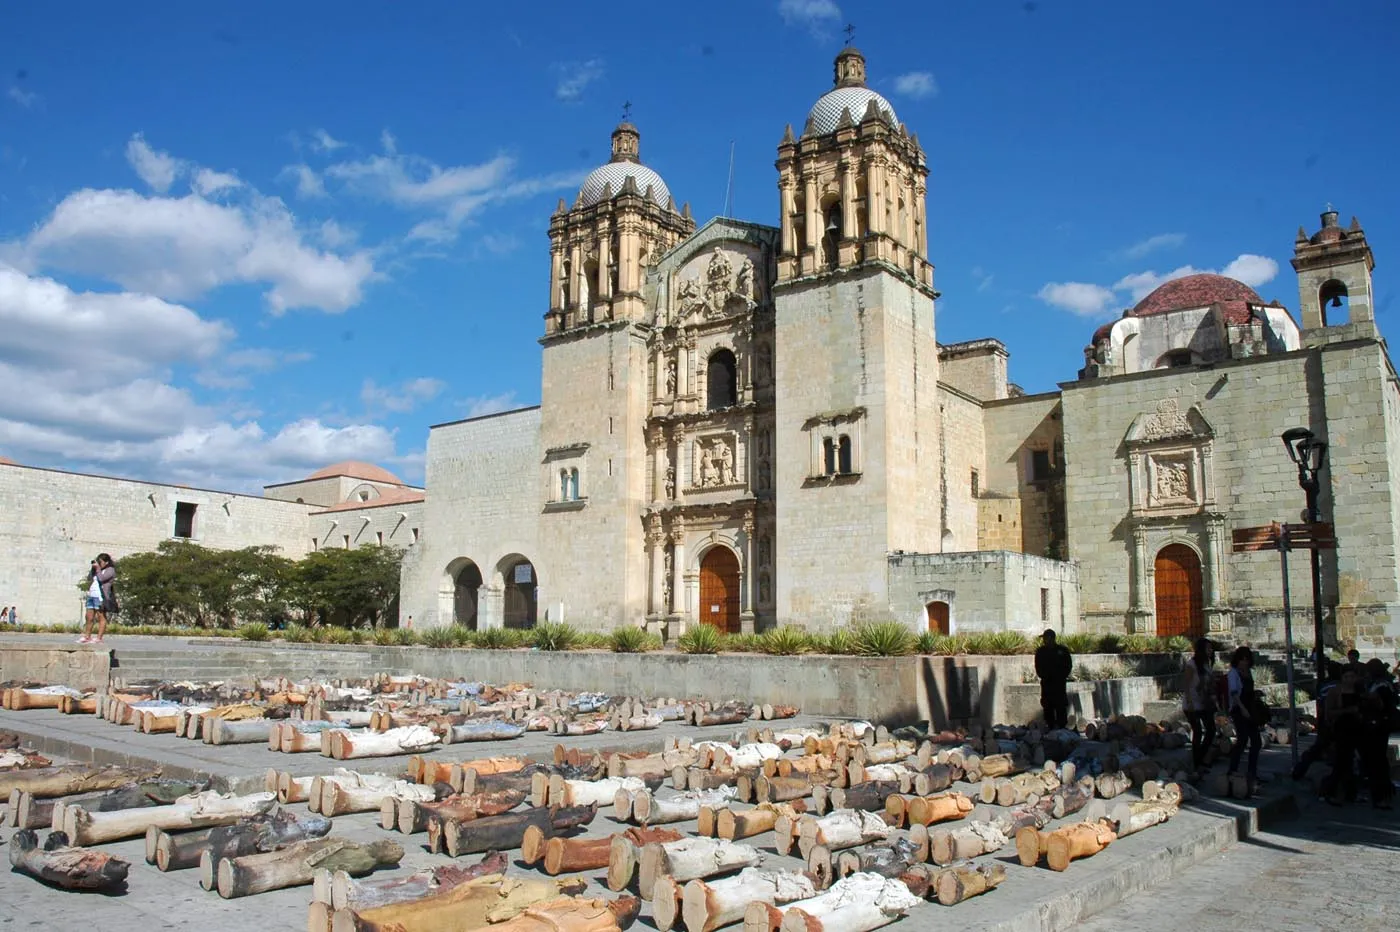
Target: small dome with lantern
pixel 606 181
pixel 850 93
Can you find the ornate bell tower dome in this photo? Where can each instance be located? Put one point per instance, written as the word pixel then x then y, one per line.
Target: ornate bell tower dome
pixel 853 185
pixel 622 220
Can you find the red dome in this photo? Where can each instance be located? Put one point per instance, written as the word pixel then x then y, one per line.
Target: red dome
pixel 355 469
pixel 1200 290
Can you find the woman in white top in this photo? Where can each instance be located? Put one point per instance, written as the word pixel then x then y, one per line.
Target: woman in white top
pixel 1198 700
pixel 1241 686
pixel 99 598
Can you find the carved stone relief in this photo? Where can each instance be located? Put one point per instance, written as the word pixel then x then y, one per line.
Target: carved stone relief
pixel 718 291
pixel 666 573
pixel 1172 480
pixel 715 461
pixel 1167 421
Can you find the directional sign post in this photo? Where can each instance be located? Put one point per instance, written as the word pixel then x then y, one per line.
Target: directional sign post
pixel 1284 538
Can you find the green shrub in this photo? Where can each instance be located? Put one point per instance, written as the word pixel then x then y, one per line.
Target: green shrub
pixel 336 636
pixel 841 642
pixel 256 631
pixel 1179 644
pixel 785 641
pixel 1139 644
pixel 296 634
pixel 593 640
pixel 884 639
pixel 741 644
pixel 1110 644
pixel 404 637
pixel 439 637
pixel 555 636
pixel 700 639
pixel 1082 643
pixel 384 637
pixel 633 640
pixel 500 638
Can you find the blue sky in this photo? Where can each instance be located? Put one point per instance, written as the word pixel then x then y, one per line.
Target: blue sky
pixel 236 244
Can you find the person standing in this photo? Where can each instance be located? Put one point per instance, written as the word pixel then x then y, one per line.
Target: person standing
pixel 1198 700
pixel 1242 701
pixel 5 615
pixel 1053 664
pixel 101 598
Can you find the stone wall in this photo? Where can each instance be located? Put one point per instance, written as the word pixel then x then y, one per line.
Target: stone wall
pixel 54 523
pixel 484 508
pixel 397 524
pixel 976 368
pixel 964 453
pixel 78 667
pixel 986 591
pixel 1014 428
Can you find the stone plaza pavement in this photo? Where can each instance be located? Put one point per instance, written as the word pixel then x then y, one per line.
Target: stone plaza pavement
pixel 1329 868
pixel 1129 873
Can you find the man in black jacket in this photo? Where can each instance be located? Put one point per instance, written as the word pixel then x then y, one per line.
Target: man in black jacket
pixel 1053 664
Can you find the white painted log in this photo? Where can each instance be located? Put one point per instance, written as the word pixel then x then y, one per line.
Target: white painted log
pixel 844 828
pixel 691 859
pixel 198 810
pixel 564 792
pixel 744 757
pixel 709 905
pixel 857 903
pixel 247 731
pixel 651 810
pixel 342 798
pixel 347 745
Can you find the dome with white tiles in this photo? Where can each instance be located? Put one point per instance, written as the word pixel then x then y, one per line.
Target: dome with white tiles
pixel 626 163
pixel 826 112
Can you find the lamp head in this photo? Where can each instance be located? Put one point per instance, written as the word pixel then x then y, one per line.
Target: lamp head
pixel 1297 441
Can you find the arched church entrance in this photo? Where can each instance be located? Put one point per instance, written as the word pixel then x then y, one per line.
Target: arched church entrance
pixel 465 593
pixel 938 616
pixel 520 589
pixel 719 590
pixel 1180 598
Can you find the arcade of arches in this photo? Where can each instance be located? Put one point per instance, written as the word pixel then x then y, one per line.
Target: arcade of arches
pixel 511 601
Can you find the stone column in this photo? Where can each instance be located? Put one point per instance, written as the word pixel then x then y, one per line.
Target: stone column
pixel 556 273
pixel 659 461
pixel 1217 614
pixel 848 200
pixel 577 277
pixel 789 242
pixel 682 370
pixel 678 569
pixel 813 225
pixel 875 195
pixel 748 580
pixel 628 248
pixel 604 258
pixel 656 541
pixel 1141 609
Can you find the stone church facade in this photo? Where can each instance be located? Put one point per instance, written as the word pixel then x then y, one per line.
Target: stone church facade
pixel 747 426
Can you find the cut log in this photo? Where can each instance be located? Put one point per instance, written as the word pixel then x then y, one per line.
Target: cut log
pixel 247 836
pixel 1000 765
pixel 354 745
pixel 935 778
pixel 488 730
pixel 958 884
pixel 691 859
pixel 346 892
pixel 1112 784
pixel 731 715
pixel 506 832
pixel 941 807
pixel 198 810
pixel 568 855
pixel 869 796
pixel 292 789
pixel 844 828
pixel 970 840
pixel 465 906
pixel 1013 791
pixel 1131 818
pixel 781 789
pixel 413 817
pixel 1071 798
pixel 50 782
pixel 131 796
pixel 340 798
pixel 603 792
pixel 1082 839
pixel 296 864
pixel 733 825
pixel 574 914
pixel 222 731
pixel 858 903
pixel 651 810
pixel 887 858
pixel 707 905
pixel 65 866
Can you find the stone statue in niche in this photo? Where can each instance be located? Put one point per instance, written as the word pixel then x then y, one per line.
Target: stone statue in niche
pixel 1173 481
pixel 671 376
pixel 666 581
pixel 704 466
pixel 670 483
pixel 719 282
pixel 726 463
pixel 765 589
pixel 765 550
pixel 688 297
pixel 761 480
pixel 745 284
pixel 765 364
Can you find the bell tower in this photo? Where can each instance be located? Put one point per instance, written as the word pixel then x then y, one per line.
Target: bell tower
pixel 856 398
pixel 853 186
pixel 1334 265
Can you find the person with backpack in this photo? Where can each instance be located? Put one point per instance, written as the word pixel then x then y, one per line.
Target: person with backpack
pixel 1244 712
pixel 1198 700
pixel 101 600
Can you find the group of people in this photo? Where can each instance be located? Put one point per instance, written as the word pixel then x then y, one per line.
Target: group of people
pixel 9 615
pixel 1358 711
pixel 100 602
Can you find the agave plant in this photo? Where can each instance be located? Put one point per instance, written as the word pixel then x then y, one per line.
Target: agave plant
pixel 404 637
pixel 633 640
pixel 384 637
pixel 1082 643
pixel 256 631
pixel 555 636
pixel 786 640
pixel 842 641
pixel 593 640
pixel 884 639
pixel 336 636
pixel 741 643
pixel 296 634
pixel 439 637
pixel 700 639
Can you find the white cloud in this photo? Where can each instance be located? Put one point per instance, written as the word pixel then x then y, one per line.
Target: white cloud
pixel 309 184
pixel 401 399
pixel 99 392
pixel 157 169
pixel 451 194
pixel 388 142
pixel 1077 297
pixel 1153 244
pixel 815 15
pixel 575 77
pixel 231 370
pixel 323 141
pixel 179 248
pixel 916 84
pixel 207 181
pixel 482 405
pixel 26 99
pixel 1094 300
pixel 334 235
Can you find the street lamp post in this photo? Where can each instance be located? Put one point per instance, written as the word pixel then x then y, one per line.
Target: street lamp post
pixel 1308 453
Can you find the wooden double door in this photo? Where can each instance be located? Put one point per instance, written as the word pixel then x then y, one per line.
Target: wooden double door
pixel 719 590
pixel 1179 593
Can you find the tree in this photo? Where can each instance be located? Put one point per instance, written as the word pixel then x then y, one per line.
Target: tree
pixel 347 587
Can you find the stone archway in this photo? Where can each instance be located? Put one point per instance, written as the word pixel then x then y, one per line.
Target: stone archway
pixel 1179 593
pixel 519 592
pixel 720 583
pixel 939 617
pixel 466 592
